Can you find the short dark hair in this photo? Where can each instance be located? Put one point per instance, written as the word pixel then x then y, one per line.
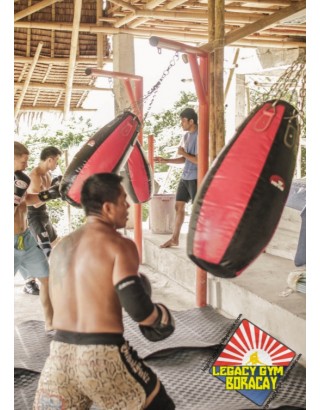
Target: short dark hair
pixel 20 149
pixel 190 114
pixel 98 189
pixel 49 152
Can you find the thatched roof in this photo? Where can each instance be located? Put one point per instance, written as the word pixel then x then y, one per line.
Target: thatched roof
pixel 56 40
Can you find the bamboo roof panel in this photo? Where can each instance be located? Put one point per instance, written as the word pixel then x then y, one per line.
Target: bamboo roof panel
pixel 52 24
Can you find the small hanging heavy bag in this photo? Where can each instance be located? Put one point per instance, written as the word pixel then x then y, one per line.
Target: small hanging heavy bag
pixel 138 176
pixel 241 199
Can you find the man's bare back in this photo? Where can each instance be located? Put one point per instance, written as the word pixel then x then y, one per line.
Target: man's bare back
pixel 83 270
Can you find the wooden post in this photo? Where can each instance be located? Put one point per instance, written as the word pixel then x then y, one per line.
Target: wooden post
pixel 73 54
pixel 218 76
pixel 211 35
pixel 100 36
pixel 27 81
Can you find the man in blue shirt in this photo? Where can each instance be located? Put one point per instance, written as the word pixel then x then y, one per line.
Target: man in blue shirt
pixel 187 187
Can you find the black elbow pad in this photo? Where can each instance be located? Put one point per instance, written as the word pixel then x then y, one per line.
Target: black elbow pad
pixel 134 299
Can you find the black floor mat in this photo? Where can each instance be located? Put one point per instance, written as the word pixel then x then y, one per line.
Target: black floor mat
pixel 186 352
pixel 188 385
pixel 31 345
pixel 193 389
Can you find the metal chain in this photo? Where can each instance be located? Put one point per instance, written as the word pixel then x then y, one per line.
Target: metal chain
pixel 155 88
pixel 291 86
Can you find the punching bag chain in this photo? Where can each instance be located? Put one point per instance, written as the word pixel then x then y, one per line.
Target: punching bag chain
pixel 155 88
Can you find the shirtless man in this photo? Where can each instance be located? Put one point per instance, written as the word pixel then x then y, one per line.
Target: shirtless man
pixel 188 155
pixel 28 257
pixel 38 217
pixel 93 274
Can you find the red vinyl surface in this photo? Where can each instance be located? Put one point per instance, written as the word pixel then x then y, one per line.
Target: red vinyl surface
pixel 231 188
pixel 106 157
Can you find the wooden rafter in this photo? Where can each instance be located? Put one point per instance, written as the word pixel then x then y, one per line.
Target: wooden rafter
pixel 73 54
pixel 27 80
pixel 32 9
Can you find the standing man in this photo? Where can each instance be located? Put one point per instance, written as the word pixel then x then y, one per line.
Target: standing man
pixel 187 187
pixel 29 259
pixel 38 217
pixel 93 274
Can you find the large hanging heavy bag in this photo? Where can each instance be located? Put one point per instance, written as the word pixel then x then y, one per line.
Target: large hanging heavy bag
pixel 138 177
pixel 241 199
pixel 106 151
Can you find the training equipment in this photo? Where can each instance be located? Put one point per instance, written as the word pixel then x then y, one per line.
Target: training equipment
pixel 134 299
pixel 21 183
pixel 158 331
pixel 106 151
pixel 51 193
pixel 56 180
pixel 145 283
pixel 138 177
pixel 242 196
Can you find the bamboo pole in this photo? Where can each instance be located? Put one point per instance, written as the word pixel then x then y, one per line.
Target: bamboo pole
pixel 231 72
pixel 238 34
pixel 32 9
pixel 100 36
pixel 60 61
pixel 27 81
pixel 47 108
pixel 61 86
pixel 73 55
pixel 218 76
pixel 186 36
pixel 211 36
pixel 123 4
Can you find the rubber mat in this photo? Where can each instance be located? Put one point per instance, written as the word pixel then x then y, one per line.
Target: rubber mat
pixel 25 386
pixel 31 345
pixel 189 386
pixel 197 328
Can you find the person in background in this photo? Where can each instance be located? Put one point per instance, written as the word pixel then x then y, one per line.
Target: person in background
pixel 93 275
pixel 38 217
pixel 28 257
pixel 187 187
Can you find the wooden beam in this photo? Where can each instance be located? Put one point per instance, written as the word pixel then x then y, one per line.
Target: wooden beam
pixel 27 81
pixel 218 76
pixel 264 22
pixel 48 108
pixel 123 4
pixel 32 9
pixel 100 36
pixel 62 86
pixel 238 34
pixel 182 35
pixel 60 61
pixel 73 54
pixel 231 72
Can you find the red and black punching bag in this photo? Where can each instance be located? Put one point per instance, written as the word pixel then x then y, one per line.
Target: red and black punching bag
pixel 240 201
pixel 138 177
pixel 106 151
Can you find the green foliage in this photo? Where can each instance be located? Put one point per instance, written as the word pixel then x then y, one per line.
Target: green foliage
pixel 72 134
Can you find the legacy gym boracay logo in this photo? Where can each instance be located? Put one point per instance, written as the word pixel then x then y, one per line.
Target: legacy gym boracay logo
pixel 252 362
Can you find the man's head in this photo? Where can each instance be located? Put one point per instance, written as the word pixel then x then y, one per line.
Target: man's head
pixel 103 195
pixel 50 155
pixel 189 119
pixel 21 156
